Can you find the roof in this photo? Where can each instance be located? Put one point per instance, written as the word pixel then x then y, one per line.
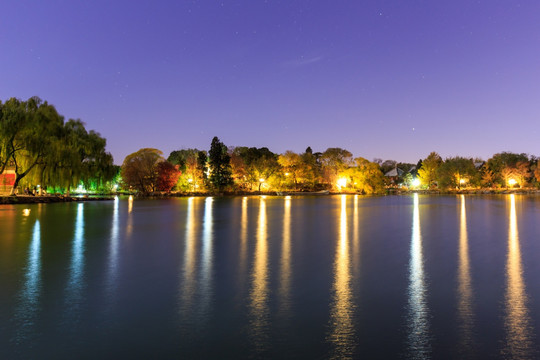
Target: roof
pixel 394 172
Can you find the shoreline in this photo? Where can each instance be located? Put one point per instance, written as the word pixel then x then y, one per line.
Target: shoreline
pixel 48 199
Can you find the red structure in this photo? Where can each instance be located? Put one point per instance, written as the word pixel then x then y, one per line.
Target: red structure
pixel 7 179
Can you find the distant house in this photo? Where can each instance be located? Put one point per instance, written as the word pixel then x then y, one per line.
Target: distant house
pixel 395 172
pixel 394 175
pixel 479 164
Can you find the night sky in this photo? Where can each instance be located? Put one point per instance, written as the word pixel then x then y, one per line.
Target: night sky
pixel 386 79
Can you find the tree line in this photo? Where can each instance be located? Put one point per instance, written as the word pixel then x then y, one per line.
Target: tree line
pixel 249 169
pixel 38 147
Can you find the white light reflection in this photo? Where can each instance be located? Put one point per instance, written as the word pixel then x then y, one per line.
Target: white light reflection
pixel 418 317
pixel 30 294
pixel 259 290
pixel 75 285
pixel 113 251
pixel 465 292
pixel 206 263
pixel 519 343
pixel 342 308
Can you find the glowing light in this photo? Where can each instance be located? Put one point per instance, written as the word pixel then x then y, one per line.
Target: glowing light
pixel 115 187
pixel 261 180
pixel 286 174
pixel 342 182
pixel 190 180
pixel 416 182
pixel 462 181
pixel 26 212
pixel 512 182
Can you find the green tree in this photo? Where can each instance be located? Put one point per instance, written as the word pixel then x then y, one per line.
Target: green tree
pixel 219 163
pixel 428 171
pixel 202 167
pixel 260 165
pixel 457 172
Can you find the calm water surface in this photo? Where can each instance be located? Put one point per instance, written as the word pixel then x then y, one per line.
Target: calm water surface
pixel 272 277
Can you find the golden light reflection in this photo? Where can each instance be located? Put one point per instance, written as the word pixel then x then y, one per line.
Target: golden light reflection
pixel 129 225
pixel 285 287
pixel 418 317
pixel 465 292
pixel 342 308
pixel 259 290
pixel 519 343
pixel 243 239
pixel 26 212
pixel 356 234
pixel 189 283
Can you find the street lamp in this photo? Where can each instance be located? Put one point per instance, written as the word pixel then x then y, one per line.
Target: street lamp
pixel 512 182
pixel 261 181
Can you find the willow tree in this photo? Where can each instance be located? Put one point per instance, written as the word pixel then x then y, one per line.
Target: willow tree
pixel 35 136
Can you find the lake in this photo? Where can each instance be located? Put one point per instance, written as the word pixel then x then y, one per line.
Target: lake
pixel 272 277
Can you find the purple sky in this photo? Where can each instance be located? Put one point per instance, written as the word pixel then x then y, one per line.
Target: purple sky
pixel 386 79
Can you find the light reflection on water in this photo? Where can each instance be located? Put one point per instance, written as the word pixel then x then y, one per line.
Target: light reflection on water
pixel 207 258
pixel 342 335
pixel 188 284
pixel 418 317
pixel 519 340
pixel 243 242
pixel 259 287
pixel 270 276
pixel 30 294
pixel 285 267
pixel 465 290
pixel 112 274
pixel 74 291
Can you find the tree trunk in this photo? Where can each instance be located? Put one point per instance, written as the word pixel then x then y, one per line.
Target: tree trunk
pixel 16 184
